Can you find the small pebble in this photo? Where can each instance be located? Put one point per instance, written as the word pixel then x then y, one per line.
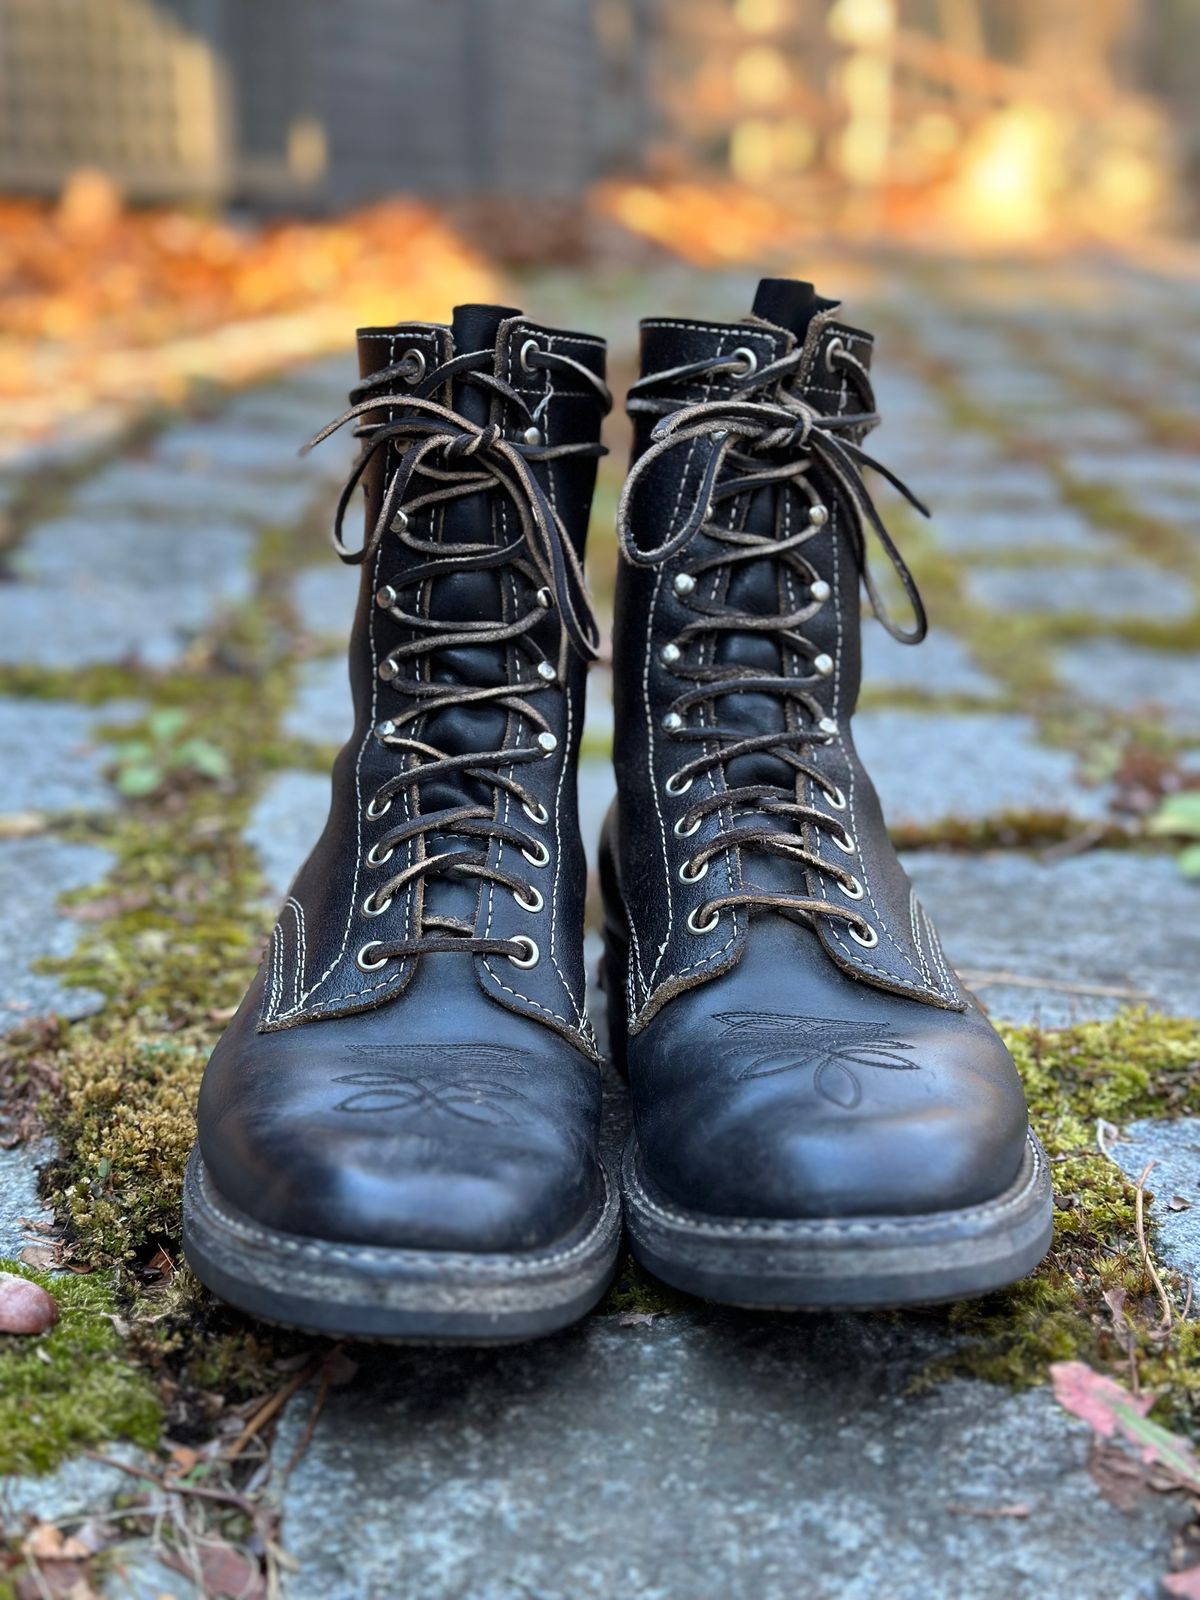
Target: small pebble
pixel 25 1307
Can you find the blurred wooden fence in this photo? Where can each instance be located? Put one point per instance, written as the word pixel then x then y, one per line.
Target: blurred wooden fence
pixel 286 101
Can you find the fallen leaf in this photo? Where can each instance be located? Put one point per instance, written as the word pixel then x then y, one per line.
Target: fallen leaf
pixel 1114 1299
pixel 54 1580
pixel 183 1459
pixel 1118 1474
pixel 161 1263
pixel 25 1307
pixel 224 1572
pixel 340 1369
pixel 1109 1409
pixel 109 905
pixel 637 1319
pixel 32 1225
pixel 41 1257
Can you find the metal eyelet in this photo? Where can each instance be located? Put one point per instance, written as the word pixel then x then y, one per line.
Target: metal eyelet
pixel 835 347
pixel 847 845
pixel 528 349
pixel 536 813
pixel 535 903
pixel 868 943
pixel 370 909
pixel 527 944
pixel 375 810
pixel 748 360
pixel 415 361
pixel 692 877
pixel 695 926
pixel 375 859
pixel 677 786
pixel 686 833
pixel 853 890
pixel 365 965
pixel 835 798
pixel 541 859
pixel 386 597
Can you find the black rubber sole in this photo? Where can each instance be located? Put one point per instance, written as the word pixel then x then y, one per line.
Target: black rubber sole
pixel 855 1263
pixel 417 1296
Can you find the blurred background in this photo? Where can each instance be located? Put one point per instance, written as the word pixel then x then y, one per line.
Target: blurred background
pixel 204 197
pixel 200 200
pixel 273 173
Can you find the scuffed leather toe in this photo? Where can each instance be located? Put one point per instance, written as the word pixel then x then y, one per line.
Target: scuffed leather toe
pixel 379 1140
pixel 848 1103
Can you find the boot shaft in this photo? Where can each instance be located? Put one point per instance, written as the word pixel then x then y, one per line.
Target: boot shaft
pixel 738 660
pixel 468 657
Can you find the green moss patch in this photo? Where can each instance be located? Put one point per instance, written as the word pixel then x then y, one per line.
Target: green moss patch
pixel 72 1387
pixel 1093 1297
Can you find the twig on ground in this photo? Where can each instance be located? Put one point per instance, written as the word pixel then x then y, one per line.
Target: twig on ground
pixel 1021 980
pixel 1139 1200
pixel 269 1408
pixel 1020 1508
pixel 309 1427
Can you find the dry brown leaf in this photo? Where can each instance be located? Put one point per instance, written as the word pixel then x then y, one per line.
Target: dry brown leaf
pixel 41 1257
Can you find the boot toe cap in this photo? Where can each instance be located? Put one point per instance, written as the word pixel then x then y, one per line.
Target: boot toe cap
pixel 937 1137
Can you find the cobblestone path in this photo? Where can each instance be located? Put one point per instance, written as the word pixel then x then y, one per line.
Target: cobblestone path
pixel 687 1451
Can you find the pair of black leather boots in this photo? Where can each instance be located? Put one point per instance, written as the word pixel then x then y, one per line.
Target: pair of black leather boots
pixel 400 1133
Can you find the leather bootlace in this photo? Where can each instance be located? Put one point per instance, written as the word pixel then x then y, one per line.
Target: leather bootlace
pixel 444 456
pixel 763 436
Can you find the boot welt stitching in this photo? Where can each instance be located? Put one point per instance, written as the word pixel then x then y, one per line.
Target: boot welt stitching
pixel 322 1251
pixel 817 1226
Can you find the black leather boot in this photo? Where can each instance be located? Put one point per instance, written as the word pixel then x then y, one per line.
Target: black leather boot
pixel 823 1115
pixel 398 1133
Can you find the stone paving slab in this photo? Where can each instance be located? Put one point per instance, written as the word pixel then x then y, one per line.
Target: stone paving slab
pixel 33 872
pixel 940 665
pixel 1130 678
pixel 325 599
pixel 1029 530
pixel 1110 919
pixel 1174 1147
pixel 984 483
pixel 231 446
pixel 931 767
pixel 712 1455
pixel 19 1198
pixel 51 755
pixel 1111 593
pixel 119 590
pixel 285 823
pixel 152 489
pixel 323 710
pixel 1134 471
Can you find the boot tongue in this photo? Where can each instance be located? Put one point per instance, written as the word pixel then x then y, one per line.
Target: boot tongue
pixel 789 303
pixel 758 588
pixel 476 328
pixel 464 596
